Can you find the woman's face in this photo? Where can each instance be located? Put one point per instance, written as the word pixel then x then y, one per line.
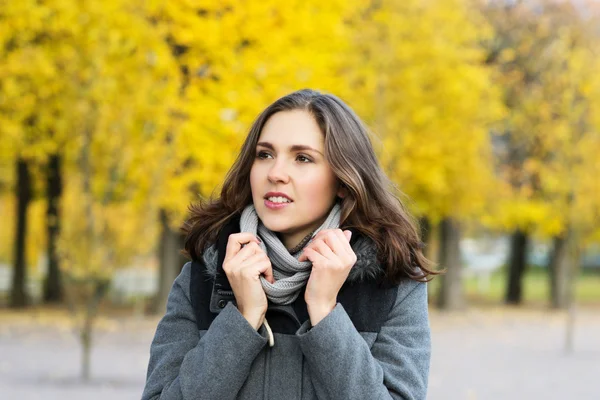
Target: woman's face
pixel 293 186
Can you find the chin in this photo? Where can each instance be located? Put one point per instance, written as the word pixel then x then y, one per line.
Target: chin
pixel 275 224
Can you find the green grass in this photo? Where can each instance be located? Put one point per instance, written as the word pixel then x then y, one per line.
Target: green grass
pixel 536 288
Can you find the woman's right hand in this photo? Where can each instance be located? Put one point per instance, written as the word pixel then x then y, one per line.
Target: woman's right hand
pixel 244 263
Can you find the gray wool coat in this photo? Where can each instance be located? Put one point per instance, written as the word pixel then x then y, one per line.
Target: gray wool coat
pixel 375 344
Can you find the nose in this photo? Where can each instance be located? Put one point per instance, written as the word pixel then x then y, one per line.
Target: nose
pixel 277 172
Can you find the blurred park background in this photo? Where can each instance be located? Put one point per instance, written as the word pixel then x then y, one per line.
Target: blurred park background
pixel 115 115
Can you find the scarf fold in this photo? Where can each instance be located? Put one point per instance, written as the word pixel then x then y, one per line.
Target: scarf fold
pixel 289 273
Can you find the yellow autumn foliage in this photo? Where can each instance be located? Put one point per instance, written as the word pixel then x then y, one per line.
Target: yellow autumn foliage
pixel 546 53
pixel 166 91
pixel 418 76
pixel 101 70
pixel 236 57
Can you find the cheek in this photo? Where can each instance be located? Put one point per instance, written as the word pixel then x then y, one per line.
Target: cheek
pixel 254 179
pixel 320 187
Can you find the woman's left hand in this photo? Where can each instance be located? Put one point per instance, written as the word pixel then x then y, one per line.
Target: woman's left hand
pixel 332 259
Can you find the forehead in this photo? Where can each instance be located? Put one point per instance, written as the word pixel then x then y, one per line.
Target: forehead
pixel 287 128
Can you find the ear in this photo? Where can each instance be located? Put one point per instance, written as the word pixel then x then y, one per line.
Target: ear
pixel 342 192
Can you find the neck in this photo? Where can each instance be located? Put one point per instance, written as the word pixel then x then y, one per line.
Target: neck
pixel 299 245
pixel 293 240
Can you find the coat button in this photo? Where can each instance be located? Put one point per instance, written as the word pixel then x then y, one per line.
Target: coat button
pixel 222 303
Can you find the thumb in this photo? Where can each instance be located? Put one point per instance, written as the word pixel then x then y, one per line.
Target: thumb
pixel 268 274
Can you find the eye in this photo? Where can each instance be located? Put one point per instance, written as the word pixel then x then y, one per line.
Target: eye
pixel 303 159
pixel 263 155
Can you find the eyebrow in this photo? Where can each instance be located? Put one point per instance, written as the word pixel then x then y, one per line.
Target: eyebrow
pixel 296 147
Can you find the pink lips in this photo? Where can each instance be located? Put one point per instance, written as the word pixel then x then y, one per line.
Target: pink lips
pixel 276 206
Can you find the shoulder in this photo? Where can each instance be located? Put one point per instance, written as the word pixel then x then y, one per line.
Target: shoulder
pixel 179 299
pixel 411 301
pixel 193 274
pixel 408 287
pixel 370 303
pixel 181 285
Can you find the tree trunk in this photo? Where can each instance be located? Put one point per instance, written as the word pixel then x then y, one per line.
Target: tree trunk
pixel 97 289
pixel 170 262
pixel 575 257
pixel 561 261
pixel 429 239
pixel 86 346
pixel 516 267
pixel 432 250
pixel 425 228
pixel 19 297
pixel 88 322
pixel 53 290
pixel 451 292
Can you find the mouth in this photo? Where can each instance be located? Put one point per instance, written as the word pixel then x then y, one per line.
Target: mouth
pixel 278 197
pixel 276 200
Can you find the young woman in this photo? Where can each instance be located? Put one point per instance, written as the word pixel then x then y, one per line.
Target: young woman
pixel 307 279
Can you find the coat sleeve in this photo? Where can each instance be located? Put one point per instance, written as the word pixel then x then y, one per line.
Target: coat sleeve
pixel 187 365
pixel 342 365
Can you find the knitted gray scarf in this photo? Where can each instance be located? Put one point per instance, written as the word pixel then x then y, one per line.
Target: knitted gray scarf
pixel 289 273
pixel 366 268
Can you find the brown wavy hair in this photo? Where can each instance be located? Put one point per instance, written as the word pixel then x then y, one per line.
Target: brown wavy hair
pixel 370 206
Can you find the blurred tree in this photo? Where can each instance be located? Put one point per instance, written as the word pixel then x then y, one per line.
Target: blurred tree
pixel 544 52
pixel 417 75
pixel 234 58
pixel 18 297
pixel 19 123
pixel 53 287
pixel 100 90
pixel 515 48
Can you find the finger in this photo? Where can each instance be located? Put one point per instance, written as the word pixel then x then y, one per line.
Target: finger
pixel 233 264
pixel 348 234
pixel 313 256
pixel 350 255
pixel 336 244
pixel 303 256
pixel 321 234
pixel 255 259
pixel 256 269
pixel 236 241
pixel 344 240
pixel 323 248
pixel 267 272
pixel 345 237
pixel 248 251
